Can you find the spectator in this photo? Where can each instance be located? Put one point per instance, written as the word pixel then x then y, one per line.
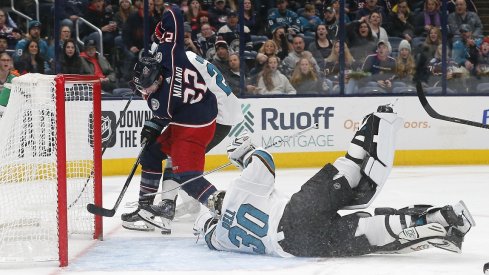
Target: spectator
pixel 360 40
pixel 465 51
pixel 125 10
pixel 378 32
pixel 451 6
pixel 218 14
pixel 70 59
pixel 332 66
pixel 97 15
pixel 221 58
pixel 206 40
pixel 6 75
pixel 283 17
pixel 196 17
pixel 483 66
pixel 160 7
pixel 336 7
pixel 280 39
pixel 288 65
pixel 429 18
pixel 309 21
pixel 251 19
pixel 98 65
pixel 457 75
pixel 11 35
pixel 190 44
pixel 406 68
pixel 462 16
pixel 72 11
pixel 381 69
pixel 3 43
pixel 305 79
pixel 322 46
pixel 381 66
pixel 64 35
pixel 133 38
pixel 230 33
pixel 331 23
pixel 432 42
pixel 271 81
pixel 401 23
pixel 232 76
pixel 34 35
pixel 31 60
pixel 269 48
pixel 369 7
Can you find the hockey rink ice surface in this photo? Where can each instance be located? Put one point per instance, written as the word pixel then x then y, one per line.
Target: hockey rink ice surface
pixel 130 252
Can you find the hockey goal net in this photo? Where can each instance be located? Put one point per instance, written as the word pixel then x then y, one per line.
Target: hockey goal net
pixel 50 166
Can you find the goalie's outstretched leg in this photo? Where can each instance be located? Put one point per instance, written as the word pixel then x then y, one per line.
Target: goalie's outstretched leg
pixel 369 158
pixel 416 228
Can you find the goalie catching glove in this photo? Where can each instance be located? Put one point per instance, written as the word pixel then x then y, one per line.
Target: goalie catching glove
pixel 240 150
pixel 152 129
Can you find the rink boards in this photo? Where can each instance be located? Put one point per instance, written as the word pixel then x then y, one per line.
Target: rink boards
pixel 421 141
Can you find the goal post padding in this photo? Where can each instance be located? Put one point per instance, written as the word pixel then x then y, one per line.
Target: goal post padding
pixel 50 166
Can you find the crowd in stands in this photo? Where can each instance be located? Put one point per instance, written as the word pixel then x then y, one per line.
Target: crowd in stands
pixel 291 47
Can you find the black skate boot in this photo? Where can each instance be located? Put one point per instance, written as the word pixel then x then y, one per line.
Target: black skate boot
pixel 165 211
pixel 132 221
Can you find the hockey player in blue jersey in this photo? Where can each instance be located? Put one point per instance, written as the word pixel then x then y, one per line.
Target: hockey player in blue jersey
pixel 187 95
pixel 253 217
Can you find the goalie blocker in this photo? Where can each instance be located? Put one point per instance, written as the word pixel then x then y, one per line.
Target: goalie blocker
pixel 308 223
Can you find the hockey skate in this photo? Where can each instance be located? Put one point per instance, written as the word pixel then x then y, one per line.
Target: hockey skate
pixel 132 221
pixel 165 211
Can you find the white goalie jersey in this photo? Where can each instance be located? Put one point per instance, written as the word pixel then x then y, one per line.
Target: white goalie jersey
pixel 251 212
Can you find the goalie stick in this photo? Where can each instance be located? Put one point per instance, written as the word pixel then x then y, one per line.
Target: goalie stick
pixel 314 126
pixel 100 211
pixel 434 114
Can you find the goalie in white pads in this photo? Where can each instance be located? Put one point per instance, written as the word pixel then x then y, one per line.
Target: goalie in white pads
pixel 253 217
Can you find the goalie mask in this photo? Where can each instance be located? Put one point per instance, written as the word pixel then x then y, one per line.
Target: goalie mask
pixel 146 73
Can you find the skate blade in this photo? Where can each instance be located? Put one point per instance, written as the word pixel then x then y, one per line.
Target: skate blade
pixel 164 225
pixel 138 227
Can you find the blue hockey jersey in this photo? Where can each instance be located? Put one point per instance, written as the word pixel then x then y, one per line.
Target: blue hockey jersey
pixel 183 97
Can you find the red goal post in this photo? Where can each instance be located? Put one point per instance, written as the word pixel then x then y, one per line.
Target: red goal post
pixel 50 166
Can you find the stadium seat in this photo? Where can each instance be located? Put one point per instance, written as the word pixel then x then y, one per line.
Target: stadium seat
pixel 395 41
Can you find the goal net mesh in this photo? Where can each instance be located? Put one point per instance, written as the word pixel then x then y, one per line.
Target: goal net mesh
pixel 28 167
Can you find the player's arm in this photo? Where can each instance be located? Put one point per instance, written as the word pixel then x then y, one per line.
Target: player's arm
pixel 257 165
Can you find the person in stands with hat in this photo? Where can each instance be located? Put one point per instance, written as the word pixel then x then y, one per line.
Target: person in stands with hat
pixel 33 35
pixel 230 32
pixel 98 65
pixel 465 51
pixel 406 68
pixel 382 69
pixel 281 16
pixel 331 23
pixel 218 14
pixel 221 58
pixel 483 66
pixel 463 16
pixel 190 44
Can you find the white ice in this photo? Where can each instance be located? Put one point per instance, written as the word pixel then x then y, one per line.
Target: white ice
pixel 130 252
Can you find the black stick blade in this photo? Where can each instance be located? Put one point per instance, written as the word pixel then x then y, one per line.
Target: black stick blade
pixel 434 114
pixel 100 211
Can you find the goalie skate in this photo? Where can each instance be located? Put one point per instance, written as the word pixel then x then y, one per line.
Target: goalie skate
pixel 159 215
pixel 188 209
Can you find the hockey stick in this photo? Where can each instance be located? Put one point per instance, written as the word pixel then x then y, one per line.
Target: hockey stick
pixel 103 151
pixel 314 126
pixel 100 211
pixel 434 114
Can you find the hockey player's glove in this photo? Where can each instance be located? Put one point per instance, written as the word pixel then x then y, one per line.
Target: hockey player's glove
pixel 152 129
pixel 240 150
pixel 203 222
